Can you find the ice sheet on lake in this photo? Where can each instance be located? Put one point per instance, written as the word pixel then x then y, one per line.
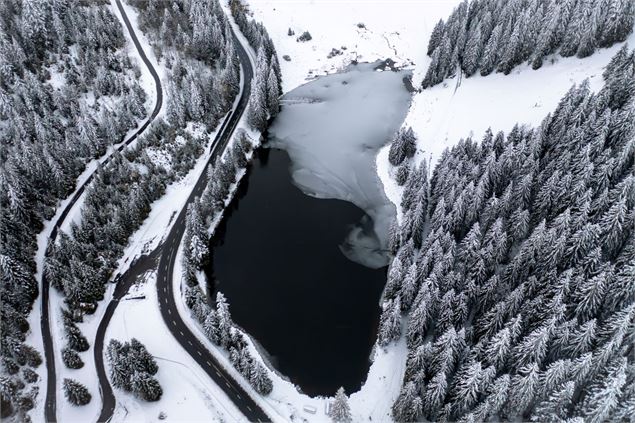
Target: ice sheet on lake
pixel 332 128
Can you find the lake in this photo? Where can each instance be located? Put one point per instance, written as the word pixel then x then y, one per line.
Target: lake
pixel 301 251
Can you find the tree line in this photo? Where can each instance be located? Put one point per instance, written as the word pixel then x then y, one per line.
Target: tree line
pixel 490 35
pixel 67 91
pixel 194 38
pixel 266 87
pixel 220 329
pixel 515 264
pixel 202 214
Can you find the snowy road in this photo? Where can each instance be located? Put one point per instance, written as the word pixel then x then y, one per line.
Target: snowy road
pixel 165 290
pixel 49 350
pixel 166 296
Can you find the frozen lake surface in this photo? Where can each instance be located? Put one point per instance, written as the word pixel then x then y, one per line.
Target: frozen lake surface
pixel 332 129
pixel 277 254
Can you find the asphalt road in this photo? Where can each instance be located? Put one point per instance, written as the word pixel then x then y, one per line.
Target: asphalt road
pixel 165 287
pixel 167 257
pixel 49 353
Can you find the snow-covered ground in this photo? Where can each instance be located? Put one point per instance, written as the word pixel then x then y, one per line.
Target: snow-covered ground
pixel 188 393
pixel 390 29
pixel 440 116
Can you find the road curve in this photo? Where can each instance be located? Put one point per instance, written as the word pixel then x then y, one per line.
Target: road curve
pixel 165 287
pixel 49 353
pixel 167 253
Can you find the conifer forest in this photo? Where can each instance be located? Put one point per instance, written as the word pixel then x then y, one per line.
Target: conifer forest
pixel 198 199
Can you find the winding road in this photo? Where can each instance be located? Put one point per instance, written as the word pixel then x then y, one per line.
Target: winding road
pixel 167 252
pixel 49 350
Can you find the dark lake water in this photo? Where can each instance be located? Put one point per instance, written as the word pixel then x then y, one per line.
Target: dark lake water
pixel 277 258
pixel 301 253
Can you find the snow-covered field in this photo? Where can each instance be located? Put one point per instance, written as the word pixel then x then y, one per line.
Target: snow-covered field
pixel 397 29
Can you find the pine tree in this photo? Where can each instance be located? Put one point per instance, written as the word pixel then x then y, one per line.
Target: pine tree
pixel 435 37
pixel 259 379
pixel 76 393
pixel 472 54
pixel 408 406
pixel 340 411
pixel 145 386
pixel 509 58
pixel 390 322
pixel 555 408
pixel 273 93
pixel 71 359
pixel 603 396
pixel 225 323
pixel 468 387
pixel 491 52
pixel 524 387
pixel 132 368
pixel 257 110
pixel 210 327
pixel 76 340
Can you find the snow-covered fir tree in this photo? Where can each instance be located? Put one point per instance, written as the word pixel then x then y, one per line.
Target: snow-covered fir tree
pixel 524 306
pixel 259 379
pixel 403 147
pixel 76 393
pixel 132 368
pixel 266 86
pixel 219 328
pixel 71 359
pixel 224 320
pixel 265 91
pixel 195 240
pixel 340 411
